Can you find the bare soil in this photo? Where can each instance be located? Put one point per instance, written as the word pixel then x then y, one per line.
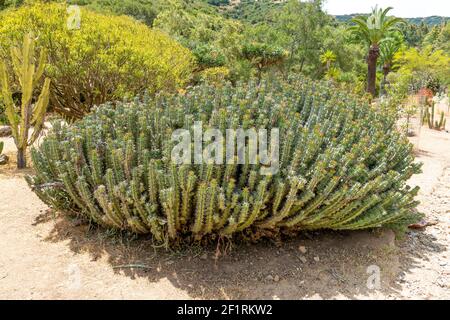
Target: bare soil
pixel 44 255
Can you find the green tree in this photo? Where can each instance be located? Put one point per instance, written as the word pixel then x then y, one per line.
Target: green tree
pixel 263 56
pixel 439 38
pixel 425 68
pixel 214 40
pixel 349 54
pixel 373 30
pixel 301 28
pixel 414 34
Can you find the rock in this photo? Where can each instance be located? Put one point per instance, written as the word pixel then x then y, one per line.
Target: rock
pixel 316 259
pixel 302 249
pixel 204 256
pixel 3 159
pixel 276 279
pixel 302 259
pixel 5 131
pixel 269 278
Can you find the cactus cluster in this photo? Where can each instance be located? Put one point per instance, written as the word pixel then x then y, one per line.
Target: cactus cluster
pixel 343 165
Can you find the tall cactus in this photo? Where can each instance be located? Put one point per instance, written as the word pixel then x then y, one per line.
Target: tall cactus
pixel 429 118
pixel 27 114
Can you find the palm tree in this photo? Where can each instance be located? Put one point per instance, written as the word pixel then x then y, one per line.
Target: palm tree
pixel 373 30
pixel 327 58
pixel 388 49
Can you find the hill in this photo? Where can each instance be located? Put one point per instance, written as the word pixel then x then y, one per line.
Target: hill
pixel 431 21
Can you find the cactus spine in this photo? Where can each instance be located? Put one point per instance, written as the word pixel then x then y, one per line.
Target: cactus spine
pixel 27 114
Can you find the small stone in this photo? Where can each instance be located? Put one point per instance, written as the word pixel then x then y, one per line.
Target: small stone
pixel 269 278
pixel 302 259
pixel 276 279
pixel 316 259
pixel 302 249
pixel 204 256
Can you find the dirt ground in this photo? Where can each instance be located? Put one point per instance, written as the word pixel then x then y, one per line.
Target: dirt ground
pixel 46 256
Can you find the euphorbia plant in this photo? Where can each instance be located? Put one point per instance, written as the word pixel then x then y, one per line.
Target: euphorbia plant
pixel 27 113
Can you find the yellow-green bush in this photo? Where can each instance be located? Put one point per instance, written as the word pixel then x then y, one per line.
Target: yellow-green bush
pixel 107 58
pixel 214 75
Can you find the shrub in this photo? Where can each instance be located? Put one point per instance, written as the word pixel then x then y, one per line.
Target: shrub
pixel 208 57
pixel 343 166
pixel 215 75
pixel 106 59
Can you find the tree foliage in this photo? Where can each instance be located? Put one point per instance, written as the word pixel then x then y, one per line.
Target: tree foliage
pixel 425 67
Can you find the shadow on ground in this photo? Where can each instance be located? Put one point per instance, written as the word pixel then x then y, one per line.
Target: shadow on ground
pixel 334 265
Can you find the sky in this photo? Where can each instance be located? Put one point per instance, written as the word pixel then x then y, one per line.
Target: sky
pixel 402 8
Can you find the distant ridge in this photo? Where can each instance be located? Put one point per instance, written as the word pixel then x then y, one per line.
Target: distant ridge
pixel 431 21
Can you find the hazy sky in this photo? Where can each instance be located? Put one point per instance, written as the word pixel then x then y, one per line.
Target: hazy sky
pixel 402 8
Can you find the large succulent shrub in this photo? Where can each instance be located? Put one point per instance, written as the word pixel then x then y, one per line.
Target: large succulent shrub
pixel 343 166
pixel 107 58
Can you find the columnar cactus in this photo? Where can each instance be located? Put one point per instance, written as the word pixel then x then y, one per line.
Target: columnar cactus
pixel 429 118
pixel 27 113
pixel 342 165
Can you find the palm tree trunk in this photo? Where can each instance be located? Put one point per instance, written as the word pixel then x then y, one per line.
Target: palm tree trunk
pixel 386 70
pixel 374 53
pixel 21 158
